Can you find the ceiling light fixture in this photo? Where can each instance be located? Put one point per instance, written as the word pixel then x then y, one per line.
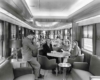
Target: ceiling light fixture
pixel 46 24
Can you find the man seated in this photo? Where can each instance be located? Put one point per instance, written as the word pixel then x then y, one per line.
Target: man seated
pixel 47 48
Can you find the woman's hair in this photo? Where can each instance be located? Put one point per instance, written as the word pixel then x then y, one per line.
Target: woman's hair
pixel 76 42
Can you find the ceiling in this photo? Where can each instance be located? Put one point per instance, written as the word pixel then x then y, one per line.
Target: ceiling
pixel 56 9
pixel 47 14
pixel 49 6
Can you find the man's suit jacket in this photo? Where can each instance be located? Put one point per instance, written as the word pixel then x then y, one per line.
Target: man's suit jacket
pixel 28 49
pixel 47 49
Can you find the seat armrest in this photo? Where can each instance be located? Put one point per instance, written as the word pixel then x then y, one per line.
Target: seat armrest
pixel 81 65
pixel 53 62
pixel 21 71
pixel 94 77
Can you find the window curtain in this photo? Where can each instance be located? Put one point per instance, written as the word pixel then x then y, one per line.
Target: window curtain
pixel 94 39
pixel 1 39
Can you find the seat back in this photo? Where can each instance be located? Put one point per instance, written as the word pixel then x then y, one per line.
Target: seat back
pixel 6 71
pixel 46 63
pixel 41 52
pixel 94 67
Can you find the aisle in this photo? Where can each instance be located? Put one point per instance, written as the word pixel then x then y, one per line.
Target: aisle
pixel 50 76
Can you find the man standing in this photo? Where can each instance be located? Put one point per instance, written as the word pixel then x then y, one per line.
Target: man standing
pixel 28 48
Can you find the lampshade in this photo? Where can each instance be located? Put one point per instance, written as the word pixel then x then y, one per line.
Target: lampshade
pixel 15 43
pixel 94 77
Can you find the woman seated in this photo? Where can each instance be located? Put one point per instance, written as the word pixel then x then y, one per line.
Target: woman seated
pixel 66 49
pixel 76 51
pixel 57 45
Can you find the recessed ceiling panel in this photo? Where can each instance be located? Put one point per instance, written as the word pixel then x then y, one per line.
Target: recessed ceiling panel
pixel 51 5
pixel 56 5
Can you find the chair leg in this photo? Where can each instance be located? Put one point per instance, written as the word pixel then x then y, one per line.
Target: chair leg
pixel 56 71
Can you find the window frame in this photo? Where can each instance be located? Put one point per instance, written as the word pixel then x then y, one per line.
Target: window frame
pixel 88 37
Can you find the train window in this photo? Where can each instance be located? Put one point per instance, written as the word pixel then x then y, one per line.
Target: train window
pixel 66 34
pixel 13 32
pixel 23 32
pixel 87 38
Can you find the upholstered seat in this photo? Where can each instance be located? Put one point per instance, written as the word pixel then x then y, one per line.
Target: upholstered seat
pixel 8 73
pixel 80 74
pixel 47 64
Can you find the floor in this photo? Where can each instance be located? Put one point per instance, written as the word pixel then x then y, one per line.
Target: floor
pixel 50 76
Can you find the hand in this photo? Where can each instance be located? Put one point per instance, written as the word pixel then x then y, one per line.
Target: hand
pixel 62 50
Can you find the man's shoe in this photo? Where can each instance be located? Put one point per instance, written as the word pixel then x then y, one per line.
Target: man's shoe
pixel 41 76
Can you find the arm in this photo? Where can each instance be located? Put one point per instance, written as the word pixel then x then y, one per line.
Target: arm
pixel 33 47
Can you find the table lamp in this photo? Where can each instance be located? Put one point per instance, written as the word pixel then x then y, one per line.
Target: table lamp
pixel 94 77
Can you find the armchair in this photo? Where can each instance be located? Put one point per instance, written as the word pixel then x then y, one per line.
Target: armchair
pixel 47 64
pixel 90 71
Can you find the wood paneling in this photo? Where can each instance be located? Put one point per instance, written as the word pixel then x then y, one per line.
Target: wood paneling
pixel 76 33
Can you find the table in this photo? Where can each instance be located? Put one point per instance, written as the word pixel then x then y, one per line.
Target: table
pixel 64 66
pixel 58 55
pixel 18 63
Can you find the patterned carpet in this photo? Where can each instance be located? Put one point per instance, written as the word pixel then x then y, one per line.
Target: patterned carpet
pixel 50 76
